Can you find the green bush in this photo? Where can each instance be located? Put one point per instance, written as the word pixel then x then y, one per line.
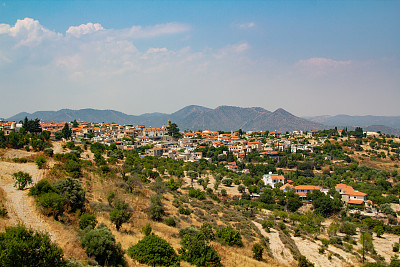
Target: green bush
pixel 153 250
pixel 348 228
pixel 3 211
pixel 223 192
pixel 100 243
pixel 86 220
pixel 22 179
pixel 52 204
pixel 267 224
pixel 120 214
pixel 195 250
pixel 48 151
pixel 20 160
pixel 197 193
pixel 257 250
pixel 227 181
pixel 73 193
pixel 156 209
pixel 229 236
pixel 170 222
pixel 24 247
pixel 396 247
pixel 42 187
pixel 184 211
pixel 146 230
pixel 40 162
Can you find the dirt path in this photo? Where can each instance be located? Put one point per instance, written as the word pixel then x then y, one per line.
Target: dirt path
pixel 22 209
pixel 279 251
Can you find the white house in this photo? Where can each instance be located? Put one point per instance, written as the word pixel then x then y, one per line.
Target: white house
pixel 272 179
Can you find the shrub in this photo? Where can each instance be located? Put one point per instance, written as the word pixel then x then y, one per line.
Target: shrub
pixel 195 250
pixel 197 193
pixel 42 187
pixel 3 211
pixel 257 250
pixel 184 211
pixel 156 209
pixel 73 193
pixel 267 224
pixel 303 262
pixel 20 160
pixel 153 250
pixel 100 243
pixel 170 222
pixel 48 151
pixel 324 242
pixel 73 167
pixel 40 162
pixel 146 230
pixel 396 247
pixel 229 236
pixel 51 204
pixel 87 220
pixel 348 228
pixel 24 247
pixel 207 231
pixel 22 179
pixel 120 214
pixel 223 192
pixel 227 181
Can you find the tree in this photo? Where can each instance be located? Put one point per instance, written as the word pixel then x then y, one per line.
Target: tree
pixel 379 230
pixel 22 179
pixel 241 188
pixel 120 214
pixel 101 244
pixel 66 131
pixel 75 124
pixel 52 204
pixel 257 251
pixel 153 250
pixel 24 247
pixel 31 126
pixel 86 220
pixel 40 162
pixel 73 193
pixel 173 130
pixel 229 236
pixel 156 209
pixel 227 181
pixel 294 203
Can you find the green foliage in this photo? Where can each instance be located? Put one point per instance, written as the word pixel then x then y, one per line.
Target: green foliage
pixel 73 193
pixel 73 167
pixel 229 236
pixel 42 187
pixel 66 131
pixel 24 247
pixel 146 230
pixel 197 193
pixel 48 151
pixel 379 230
pixel 22 179
pixel 52 204
pixel 267 225
pixel 40 162
pixel 396 247
pixel 348 228
pixel 173 130
pixel 241 188
pixel 223 192
pixel 172 185
pixel 120 214
pixel 3 211
pixel 387 209
pixel 227 181
pixel 257 250
pixel 153 250
pixel 170 222
pixel 194 248
pixel 156 209
pixel 303 262
pixel 100 243
pixel 184 211
pixel 86 220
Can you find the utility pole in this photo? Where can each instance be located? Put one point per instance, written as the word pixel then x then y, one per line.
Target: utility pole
pixel 363 243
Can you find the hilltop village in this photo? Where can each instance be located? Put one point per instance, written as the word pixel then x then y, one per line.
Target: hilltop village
pixel 328 197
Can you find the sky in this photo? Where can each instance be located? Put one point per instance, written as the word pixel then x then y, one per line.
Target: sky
pixel 308 57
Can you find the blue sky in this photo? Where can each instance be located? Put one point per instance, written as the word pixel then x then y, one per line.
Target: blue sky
pixel 308 57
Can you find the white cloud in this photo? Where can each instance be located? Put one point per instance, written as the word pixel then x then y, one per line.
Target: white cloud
pixel 84 29
pixel 234 49
pixel 156 30
pixel 28 32
pixel 320 62
pixel 156 50
pixel 247 25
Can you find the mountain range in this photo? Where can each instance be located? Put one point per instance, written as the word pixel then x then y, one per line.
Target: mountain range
pixel 192 117
pixel 224 118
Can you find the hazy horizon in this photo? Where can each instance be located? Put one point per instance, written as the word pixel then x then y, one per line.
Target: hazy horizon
pixel 310 58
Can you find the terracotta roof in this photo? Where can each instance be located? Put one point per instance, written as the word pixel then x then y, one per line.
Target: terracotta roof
pixel 307 187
